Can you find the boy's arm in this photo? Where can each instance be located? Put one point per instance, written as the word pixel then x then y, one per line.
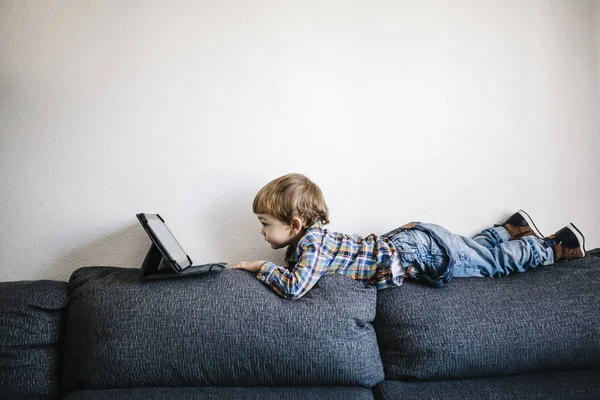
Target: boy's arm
pixel 296 283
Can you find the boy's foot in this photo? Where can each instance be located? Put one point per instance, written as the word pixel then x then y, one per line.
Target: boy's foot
pixel 520 224
pixel 567 244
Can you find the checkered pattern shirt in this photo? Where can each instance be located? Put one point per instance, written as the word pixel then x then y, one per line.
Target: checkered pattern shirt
pixel 320 252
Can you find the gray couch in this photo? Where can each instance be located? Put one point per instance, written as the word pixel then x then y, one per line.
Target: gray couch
pixel 105 335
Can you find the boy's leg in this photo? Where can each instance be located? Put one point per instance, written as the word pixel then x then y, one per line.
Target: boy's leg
pixel 518 255
pixel 492 237
pixel 504 259
pixel 426 250
pixel 515 227
pixel 472 259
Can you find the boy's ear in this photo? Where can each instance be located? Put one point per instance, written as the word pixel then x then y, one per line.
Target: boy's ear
pixel 296 225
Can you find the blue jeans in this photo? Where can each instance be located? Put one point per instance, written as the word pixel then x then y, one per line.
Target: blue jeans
pixel 431 253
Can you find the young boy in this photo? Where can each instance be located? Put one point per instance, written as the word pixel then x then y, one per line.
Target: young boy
pixel 292 211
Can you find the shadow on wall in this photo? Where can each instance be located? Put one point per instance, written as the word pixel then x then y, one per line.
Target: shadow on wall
pixel 124 248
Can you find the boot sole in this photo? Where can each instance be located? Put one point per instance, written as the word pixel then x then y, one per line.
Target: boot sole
pixel 579 235
pixel 531 224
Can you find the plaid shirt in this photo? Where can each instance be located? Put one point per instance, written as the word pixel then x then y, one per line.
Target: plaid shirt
pixel 320 252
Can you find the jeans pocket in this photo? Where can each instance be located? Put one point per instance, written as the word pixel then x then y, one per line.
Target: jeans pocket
pixel 404 243
pixel 432 260
pixel 403 261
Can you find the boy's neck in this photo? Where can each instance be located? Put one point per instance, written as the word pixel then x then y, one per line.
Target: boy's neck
pixel 294 243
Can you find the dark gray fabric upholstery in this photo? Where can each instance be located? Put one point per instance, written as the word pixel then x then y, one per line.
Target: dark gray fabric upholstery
pixel 572 385
pixel 31 318
pixel 540 320
pixel 228 393
pixel 224 329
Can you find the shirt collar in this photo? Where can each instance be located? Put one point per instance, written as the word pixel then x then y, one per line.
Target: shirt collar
pixel 316 228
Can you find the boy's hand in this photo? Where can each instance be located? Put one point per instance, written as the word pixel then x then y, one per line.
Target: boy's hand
pixel 250 266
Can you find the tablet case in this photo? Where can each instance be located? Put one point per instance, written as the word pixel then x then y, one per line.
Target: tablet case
pixel 158 264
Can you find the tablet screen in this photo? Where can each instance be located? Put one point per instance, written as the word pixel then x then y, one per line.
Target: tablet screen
pixel 167 240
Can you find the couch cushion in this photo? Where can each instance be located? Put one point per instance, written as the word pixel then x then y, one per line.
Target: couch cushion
pixel 31 319
pixel 224 329
pixel 227 393
pixel 541 320
pixel 579 384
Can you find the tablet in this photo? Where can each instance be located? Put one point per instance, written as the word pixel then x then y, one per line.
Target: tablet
pixel 162 237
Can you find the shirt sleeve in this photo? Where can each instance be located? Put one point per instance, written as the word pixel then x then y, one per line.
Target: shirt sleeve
pixel 296 283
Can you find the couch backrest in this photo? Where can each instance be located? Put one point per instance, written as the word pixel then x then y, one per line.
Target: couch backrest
pixel 31 320
pixel 225 329
pixel 541 320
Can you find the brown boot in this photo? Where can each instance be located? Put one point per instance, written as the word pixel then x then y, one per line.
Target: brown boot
pixel 520 224
pixel 567 244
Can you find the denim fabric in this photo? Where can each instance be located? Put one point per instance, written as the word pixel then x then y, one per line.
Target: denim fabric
pixel 436 255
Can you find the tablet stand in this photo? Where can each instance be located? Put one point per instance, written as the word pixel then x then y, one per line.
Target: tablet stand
pixel 154 260
pixel 157 266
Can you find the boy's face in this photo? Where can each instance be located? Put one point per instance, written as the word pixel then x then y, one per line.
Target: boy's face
pixel 276 232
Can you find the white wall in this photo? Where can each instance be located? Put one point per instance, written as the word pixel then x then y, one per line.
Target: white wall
pixel 597 35
pixel 451 112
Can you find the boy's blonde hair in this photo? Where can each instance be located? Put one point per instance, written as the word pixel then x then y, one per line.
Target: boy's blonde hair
pixel 289 196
